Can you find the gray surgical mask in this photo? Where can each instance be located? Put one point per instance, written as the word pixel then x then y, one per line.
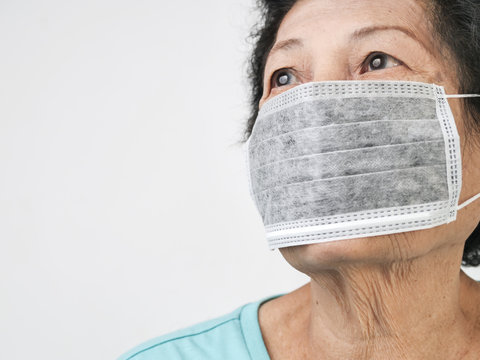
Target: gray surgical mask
pixel 347 159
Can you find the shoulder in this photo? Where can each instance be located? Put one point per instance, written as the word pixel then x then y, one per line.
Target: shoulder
pixel 219 338
pixel 207 336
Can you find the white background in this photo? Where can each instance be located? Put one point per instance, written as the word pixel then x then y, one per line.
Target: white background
pixel 124 205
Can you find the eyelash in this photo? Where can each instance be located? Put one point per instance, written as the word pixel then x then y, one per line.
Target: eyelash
pixel 363 67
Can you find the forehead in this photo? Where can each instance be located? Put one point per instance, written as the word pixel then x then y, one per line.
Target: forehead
pixel 333 18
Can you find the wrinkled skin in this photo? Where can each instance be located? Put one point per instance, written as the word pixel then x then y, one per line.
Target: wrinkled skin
pixel 399 296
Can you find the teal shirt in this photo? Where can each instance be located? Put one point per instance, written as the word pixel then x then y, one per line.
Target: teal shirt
pixel 235 336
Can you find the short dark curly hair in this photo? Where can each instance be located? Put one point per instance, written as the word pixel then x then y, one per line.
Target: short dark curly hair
pixel 456 24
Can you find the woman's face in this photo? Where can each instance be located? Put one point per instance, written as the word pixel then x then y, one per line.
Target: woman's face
pixel 321 40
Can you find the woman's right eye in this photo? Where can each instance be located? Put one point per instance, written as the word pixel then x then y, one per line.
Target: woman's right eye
pixel 282 77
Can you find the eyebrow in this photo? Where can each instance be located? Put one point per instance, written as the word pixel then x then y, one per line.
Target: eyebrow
pixel 366 31
pixel 358 34
pixel 286 45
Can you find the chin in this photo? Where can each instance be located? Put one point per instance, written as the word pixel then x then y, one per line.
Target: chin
pixel 372 250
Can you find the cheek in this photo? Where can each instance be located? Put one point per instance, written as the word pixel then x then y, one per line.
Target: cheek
pixel 459 117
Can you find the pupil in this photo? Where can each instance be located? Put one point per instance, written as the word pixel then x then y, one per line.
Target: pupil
pixel 283 80
pixel 377 62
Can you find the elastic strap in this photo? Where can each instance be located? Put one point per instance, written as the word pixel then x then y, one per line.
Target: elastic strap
pixel 469 201
pixel 453 96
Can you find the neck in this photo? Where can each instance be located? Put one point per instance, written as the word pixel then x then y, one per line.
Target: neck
pixel 415 309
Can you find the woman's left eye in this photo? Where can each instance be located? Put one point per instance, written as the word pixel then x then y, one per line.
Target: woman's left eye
pixel 282 77
pixel 379 61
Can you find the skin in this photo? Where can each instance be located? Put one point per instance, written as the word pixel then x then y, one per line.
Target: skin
pixel 399 296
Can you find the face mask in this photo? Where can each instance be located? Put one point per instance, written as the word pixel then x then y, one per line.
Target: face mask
pixel 348 159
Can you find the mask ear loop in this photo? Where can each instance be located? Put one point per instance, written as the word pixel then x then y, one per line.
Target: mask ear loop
pixel 469 201
pixel 456 96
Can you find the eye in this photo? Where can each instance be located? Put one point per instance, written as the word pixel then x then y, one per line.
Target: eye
pixel 379 61
pixel 282 77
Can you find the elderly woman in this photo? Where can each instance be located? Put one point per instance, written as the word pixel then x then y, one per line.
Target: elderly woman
pixel 364 159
